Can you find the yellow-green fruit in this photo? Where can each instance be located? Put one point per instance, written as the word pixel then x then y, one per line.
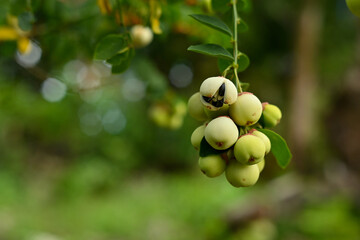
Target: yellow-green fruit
pixel 249 149
pixel 141 35
pixel 217 91
pixel 176 121
pixel 223 111
pixel 247 109
pixel 221 133
pixel 354 6
pixel 196 108
pixel 240 175
pixel 264 138
pixel 197 136
pixel 261 165
pixel 212 165
pixel 180 108
pixel 271 115
pixel 159 115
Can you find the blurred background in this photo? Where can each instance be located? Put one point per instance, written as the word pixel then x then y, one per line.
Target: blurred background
pixel 86 154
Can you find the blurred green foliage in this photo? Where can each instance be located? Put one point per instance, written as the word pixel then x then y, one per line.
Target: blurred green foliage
pixel 66 171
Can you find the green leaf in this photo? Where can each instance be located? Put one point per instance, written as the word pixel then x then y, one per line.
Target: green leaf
pixel 206 149
pixel 211 50
pixel 26 20
pixel 18 6
pixel 279 147
pixel 110 46
pixel 243 62
pixel 118 58
pixel 220 5
pixel 213 22
pixel 223 64
pixel 244 86
pixel 121 62
pixel 242 27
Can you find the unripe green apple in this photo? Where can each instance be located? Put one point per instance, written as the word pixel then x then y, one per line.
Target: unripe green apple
pixel 217 91
pixel 197 136
pixel 264 138
pixel 354 6
pixel 221 133
pixel 212 165
pixel 223 111
pixel 249 149
pixel 247 109
pixel 196 108
pixel 141 36
pixel 261 165
pixel 271 115
pixel 240 175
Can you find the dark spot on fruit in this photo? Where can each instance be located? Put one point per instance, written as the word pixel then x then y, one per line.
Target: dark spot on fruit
pixel 219 103
pixel 251 159
pixel 222 90
pixel 219 144
pixel 207 99
pixel 203 172
pixel 249 122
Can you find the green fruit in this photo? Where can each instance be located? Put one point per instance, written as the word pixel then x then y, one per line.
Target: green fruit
pixel 212 165
pixel 223 111
pixel 176 121
pixel 354 6
pixel 159 115
pixel 180 108
pixel 247 109
pixel 249 149
pixel 221 133
pixel 197 136
pixel 271 115
pixel 264 138
pixel 217 91
pixel 240 175
pixel 196 108
pixel 261 165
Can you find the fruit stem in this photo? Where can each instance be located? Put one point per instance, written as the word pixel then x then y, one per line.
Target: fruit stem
pixel 226 71
pixel 235 42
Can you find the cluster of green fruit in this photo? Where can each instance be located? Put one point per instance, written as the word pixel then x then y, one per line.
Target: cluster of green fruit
pixel 230 131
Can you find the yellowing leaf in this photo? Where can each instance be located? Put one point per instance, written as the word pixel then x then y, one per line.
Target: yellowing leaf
pixel 155 14
pixel 8 34
pixel 104 6
pixel 24 45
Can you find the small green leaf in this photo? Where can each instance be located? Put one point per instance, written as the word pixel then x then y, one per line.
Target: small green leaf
pixel 206 149
pixel 118 58
pixel 244 86
pixel 243 62
pixel 213 22
pixel 220 5
pixel 26 20
pixel 242 27
pixel 211 50
pixel 110 46
pixel 121 62
pixel 279 147
pixel 223 64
